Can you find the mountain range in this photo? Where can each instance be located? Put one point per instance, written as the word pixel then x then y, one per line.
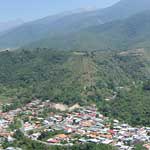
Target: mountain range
pixel 75 25
pixel 132 32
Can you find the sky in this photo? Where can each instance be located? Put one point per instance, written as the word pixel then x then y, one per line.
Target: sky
pixel 28 10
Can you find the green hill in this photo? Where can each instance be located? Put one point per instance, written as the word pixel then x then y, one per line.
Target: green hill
pixel 116 81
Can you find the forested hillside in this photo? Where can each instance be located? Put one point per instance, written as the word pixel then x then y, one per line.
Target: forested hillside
pixel 115 80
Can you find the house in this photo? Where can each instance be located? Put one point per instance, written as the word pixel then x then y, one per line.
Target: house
pixel 35 135
pixel 53 141
pixel 86 123
pixel 61 136
pixel 82 140
pixel 107 141
pixel 147 146
pixel 93 140
pixel 112 132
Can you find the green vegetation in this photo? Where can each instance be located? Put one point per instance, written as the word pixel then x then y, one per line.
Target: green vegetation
pixel 47 135
pixel 139 147
pixel 130 106
pixel 15 125
pixel 120 77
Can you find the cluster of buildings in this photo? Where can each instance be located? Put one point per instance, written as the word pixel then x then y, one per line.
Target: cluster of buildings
pixel 6 119
pixel 82 125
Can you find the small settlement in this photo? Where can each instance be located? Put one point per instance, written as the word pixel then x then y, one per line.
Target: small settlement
pixel 78 126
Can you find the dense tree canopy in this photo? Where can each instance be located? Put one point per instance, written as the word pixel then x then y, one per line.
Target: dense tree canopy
pixel 120 77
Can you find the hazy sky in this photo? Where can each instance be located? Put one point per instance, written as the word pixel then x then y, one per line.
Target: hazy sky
pixel 34 9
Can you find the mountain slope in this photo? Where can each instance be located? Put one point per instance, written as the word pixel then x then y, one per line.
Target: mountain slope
pixel 68 23
pixel 10 24
pixel 124 34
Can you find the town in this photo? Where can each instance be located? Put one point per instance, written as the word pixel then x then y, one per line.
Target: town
pixel 41 122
